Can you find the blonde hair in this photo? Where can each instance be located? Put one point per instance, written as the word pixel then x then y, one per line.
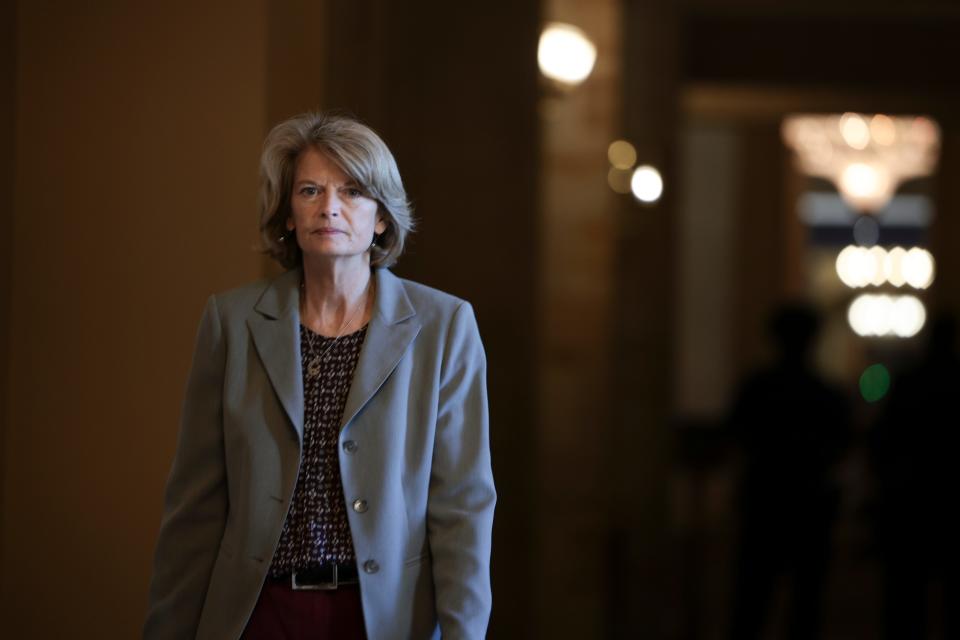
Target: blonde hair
pixel 359 152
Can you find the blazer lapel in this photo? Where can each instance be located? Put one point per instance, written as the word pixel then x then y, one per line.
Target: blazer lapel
pixel 275 326
pixel 393 326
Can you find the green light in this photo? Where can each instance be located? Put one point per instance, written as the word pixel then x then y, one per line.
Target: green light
pixel 874 382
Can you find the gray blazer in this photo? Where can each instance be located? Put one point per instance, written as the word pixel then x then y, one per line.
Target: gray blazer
pixel 414 445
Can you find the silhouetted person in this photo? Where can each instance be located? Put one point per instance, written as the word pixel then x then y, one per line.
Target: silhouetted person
pixel 792 428
pixel 916 444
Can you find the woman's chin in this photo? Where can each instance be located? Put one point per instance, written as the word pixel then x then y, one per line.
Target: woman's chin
pixel 325 254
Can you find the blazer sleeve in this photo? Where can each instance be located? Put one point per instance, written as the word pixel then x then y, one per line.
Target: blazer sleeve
pixel 461 496
pixel 195 505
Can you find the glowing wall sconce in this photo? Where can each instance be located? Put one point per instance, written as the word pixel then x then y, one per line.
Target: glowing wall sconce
pixel 565 54
pixel 622 156
pixel 646 184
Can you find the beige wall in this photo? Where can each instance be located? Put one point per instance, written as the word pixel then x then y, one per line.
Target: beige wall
pixel 137 135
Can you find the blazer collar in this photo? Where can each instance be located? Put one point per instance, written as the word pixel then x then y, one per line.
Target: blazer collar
pixel 275 326
pixel 282 296
pixel 393 327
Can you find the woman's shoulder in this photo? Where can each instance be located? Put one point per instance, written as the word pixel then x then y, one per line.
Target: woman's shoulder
pixel 419 292
pixel 272 291
pixel 430 302
pixel 248 292
pixel 438 309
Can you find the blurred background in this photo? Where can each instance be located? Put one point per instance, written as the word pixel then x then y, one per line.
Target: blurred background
pixel 711 244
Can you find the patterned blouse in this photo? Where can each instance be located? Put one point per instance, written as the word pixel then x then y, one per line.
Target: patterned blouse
pixel 316 530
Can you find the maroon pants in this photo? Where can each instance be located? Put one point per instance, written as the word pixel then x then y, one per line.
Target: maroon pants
pixel 284 614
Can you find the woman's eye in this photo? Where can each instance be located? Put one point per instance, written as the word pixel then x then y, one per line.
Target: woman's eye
pixel 353 192
pixel 308 191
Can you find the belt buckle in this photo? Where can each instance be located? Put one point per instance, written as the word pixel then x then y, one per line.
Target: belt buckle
pixel 322 586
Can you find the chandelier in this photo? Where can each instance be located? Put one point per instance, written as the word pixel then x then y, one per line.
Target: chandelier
pixel 865 156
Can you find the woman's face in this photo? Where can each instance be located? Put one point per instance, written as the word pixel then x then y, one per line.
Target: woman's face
pixel 331 214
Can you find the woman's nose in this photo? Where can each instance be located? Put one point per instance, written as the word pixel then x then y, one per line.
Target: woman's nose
pixel 330 204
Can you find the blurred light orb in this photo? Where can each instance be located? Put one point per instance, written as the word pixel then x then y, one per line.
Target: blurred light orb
pixel 861 180
pixel 860 267
pixel 622 154
pixel 866 315
pixel 846 269
pixel 866 231
pixel 646 184
pixel 874 382
pixel 857 266
pixel 883 130
pixel 924 130
pixel 877 258
pixel 893 266
pixel 884 315
pixel 917 266
pixel 907 316
pixel 565 54
pixel 619 180
pixel 855 131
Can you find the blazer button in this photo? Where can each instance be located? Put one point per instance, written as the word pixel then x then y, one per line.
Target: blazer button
pixel 371 566
pixel 349 446
pixel 360 506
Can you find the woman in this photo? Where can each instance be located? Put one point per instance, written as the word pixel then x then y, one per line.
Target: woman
pixel 332 475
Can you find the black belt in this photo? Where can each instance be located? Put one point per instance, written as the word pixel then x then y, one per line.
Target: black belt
pixel 327 576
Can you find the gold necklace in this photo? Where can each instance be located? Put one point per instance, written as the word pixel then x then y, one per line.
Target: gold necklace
pixel 318 360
